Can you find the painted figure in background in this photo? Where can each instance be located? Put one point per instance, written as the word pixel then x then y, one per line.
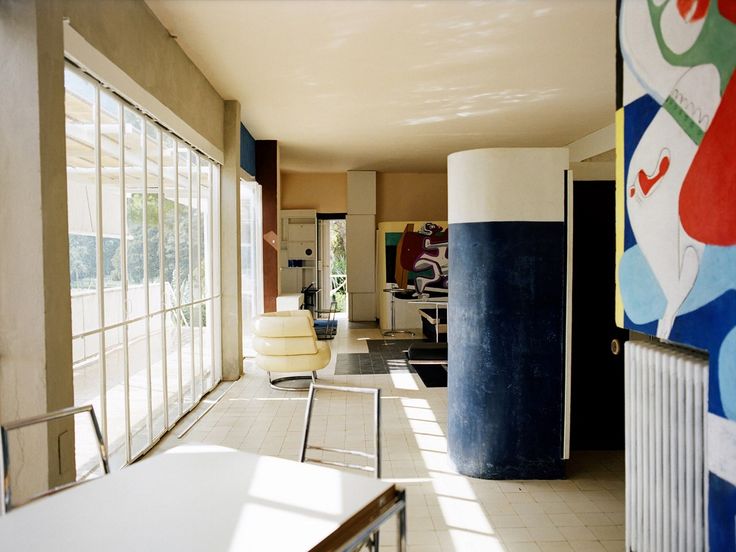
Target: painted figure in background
pixel 680 174
pixel 426 250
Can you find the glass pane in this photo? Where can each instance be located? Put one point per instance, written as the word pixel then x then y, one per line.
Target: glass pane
pixel 153 187
pixel 197 334
pixel 157 375
pixel 171 297
pixel 173 366
pixel 81 161
pixel 196 232
pixel 134 211
pixel 216 227
pixel 138 385
pixel 247 260
pixel 182 276
pixel 112 230
pixel 207 344
pixel 205 170
pixel 86 374
pixel 115 384
pixel 187 357
pixel 218 348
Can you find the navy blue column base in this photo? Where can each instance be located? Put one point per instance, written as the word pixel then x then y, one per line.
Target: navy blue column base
pixel 546 469
pixel 505 349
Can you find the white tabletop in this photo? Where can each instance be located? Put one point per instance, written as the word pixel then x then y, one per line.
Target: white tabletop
pixel 196 497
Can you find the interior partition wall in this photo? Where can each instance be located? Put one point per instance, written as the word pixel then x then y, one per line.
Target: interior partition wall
pixel 143 210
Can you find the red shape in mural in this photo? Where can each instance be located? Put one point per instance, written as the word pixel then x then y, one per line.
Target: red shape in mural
pixel 727 9
pixel 708 197
pixel 692 10
pixel 646 183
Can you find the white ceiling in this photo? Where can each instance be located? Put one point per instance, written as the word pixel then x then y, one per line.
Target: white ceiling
pixel 398 85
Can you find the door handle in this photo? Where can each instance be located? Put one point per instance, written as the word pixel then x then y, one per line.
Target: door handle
pixel 615 346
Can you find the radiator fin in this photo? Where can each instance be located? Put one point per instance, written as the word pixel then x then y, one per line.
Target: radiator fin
pixel 666 480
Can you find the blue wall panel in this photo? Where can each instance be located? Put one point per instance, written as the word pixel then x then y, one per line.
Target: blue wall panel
pixel 721 514
pixel 247 151
pixel 506 328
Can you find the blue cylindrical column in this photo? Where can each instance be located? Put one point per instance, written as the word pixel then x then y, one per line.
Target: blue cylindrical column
pixel 506 312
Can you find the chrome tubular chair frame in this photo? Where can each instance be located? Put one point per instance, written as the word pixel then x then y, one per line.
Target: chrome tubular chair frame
pixel 376 457
pixel 6 504
pixel 369 536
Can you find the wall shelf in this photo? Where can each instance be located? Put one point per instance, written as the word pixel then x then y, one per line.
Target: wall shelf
pixel 298 243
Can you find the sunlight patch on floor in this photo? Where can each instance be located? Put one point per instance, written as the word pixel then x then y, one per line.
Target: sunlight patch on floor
pixel 469 527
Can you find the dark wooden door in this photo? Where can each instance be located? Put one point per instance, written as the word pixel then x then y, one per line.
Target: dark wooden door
pixel 597 384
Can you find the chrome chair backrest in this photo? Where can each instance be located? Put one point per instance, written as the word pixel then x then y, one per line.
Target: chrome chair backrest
pixel 6 504
pixel 375 456
pixel 372 542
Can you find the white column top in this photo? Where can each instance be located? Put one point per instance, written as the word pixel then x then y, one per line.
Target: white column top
pixel 506 184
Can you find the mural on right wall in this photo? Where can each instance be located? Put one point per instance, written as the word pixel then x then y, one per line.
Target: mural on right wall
pixel 677 132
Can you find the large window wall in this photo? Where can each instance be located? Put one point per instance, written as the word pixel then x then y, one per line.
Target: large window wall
pixel 144 269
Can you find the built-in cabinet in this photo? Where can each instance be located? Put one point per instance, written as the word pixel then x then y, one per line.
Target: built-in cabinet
pixel 298 255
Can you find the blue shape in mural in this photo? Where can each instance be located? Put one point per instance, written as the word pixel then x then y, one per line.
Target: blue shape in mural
pixel 640 291
pixel 643 296
pixel 727 374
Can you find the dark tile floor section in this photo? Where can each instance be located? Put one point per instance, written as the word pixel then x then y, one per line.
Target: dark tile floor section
pixel 384 356
pixel 432 375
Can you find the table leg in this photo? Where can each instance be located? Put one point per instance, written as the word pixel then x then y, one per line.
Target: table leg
pixel 401 529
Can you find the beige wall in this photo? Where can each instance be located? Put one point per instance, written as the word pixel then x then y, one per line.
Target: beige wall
pixel 411 196
pixel 129 35
pixel 399 196
pixel 325 192
pixel 35 304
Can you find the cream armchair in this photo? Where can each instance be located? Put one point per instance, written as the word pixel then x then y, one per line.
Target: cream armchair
pixel 286 342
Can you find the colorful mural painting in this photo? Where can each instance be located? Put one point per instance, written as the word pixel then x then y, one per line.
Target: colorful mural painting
pixel 415 259
pixel 425 253
pixel 677 133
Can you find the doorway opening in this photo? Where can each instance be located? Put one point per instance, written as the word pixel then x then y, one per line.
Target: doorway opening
pixel 332 262
pixel 596 422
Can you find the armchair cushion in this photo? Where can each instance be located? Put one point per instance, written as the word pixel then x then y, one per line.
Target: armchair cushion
pixel 284 324
pixel 284 346
pixel 296 363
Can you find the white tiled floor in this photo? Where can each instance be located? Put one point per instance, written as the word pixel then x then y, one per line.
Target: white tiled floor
pixel 446 511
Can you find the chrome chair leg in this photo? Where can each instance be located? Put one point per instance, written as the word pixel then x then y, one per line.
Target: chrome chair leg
pixel 276 383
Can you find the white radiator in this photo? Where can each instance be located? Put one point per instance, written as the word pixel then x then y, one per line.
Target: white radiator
pixel 666 483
